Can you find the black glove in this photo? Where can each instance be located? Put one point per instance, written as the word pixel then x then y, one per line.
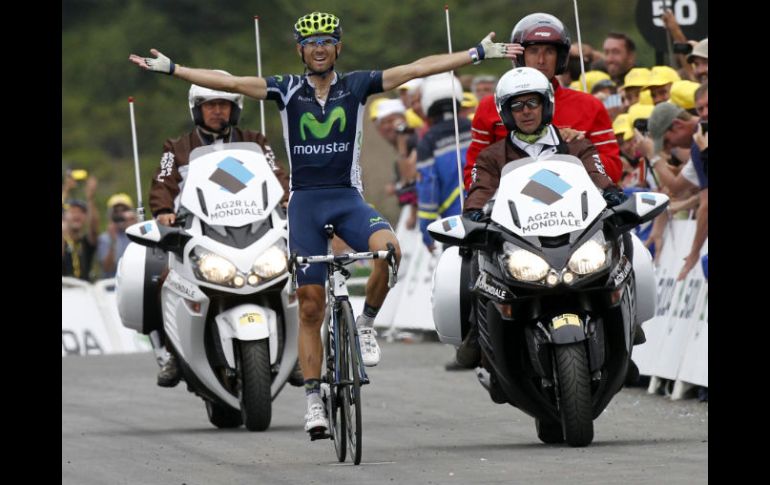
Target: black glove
pixel 614 196
pixel 475 215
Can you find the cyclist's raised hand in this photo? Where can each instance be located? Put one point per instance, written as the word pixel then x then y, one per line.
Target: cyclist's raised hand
pixel 160 63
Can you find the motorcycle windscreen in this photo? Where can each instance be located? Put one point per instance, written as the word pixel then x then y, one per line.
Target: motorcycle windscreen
pixel 230 185
pixel 546 197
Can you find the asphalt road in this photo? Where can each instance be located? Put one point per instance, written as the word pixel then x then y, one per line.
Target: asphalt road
pixel 422 425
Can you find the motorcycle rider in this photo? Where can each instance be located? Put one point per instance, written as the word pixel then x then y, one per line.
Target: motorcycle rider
pixel 525 102
pixel 326 176
pixel 215 115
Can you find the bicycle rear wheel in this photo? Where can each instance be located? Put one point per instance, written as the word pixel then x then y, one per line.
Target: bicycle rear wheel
pixel 334 399
pixel 351 391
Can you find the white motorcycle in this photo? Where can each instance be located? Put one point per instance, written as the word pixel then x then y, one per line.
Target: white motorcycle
pixel 225 306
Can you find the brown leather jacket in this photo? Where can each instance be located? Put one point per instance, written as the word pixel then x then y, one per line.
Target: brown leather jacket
pixel 176 154
pixel 492 159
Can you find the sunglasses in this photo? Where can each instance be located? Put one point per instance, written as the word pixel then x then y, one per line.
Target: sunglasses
pixel 531 103
pixel 319 42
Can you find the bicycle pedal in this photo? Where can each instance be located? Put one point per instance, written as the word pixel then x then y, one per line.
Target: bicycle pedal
pixel 319 434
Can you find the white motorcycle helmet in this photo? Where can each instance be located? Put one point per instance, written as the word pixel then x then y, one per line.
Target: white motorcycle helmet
pixel 199 94
pixel 438 88
pixel 518 81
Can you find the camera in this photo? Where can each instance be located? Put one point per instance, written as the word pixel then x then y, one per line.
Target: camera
pixel 118 217
pixel 78 174
pixel 682 48
pixel 704 125
pixel 641 125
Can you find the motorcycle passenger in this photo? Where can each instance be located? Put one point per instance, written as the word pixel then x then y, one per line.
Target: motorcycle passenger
pixel 215 115
pixel 321 112
pixel 525 101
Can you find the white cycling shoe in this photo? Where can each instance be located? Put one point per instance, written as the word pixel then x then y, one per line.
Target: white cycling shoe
pixel 370 350
pixel 315 419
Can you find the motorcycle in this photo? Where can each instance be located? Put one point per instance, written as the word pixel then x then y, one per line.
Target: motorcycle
pixel 557 287
pixel 225 305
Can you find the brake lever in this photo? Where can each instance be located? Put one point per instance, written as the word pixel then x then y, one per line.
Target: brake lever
pixel 393 275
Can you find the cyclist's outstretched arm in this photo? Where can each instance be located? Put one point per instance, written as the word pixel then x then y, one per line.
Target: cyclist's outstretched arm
pixel 486 49
pixel 255 87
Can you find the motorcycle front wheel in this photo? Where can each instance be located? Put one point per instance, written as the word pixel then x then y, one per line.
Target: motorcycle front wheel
pixel 574 393
pixel 254 375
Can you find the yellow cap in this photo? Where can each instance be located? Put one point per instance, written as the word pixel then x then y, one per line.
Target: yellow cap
pixel 413 120
pixel 592 77
pixel 637 77
pixel 621 126
pixel 662 75
pixel 373 108
pixel 645 97
pixel 118 199
pixel 469 100
pixel 683 93
pixel 637 111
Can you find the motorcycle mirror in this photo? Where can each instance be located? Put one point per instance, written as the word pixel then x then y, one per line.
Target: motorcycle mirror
pixel 453 230
pixel 152 234
pixel 640 208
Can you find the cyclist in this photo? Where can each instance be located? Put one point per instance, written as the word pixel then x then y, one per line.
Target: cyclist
pixel 322 114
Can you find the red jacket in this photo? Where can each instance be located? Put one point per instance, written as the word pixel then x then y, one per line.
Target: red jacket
pixel 573 109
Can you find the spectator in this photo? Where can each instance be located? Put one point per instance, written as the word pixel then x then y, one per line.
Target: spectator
pixel 389 119
pixel 483 85
pixel 113 242
pixel 659 84
pixel 408 92
pixel 678 37
pixel 619 55
pixel 78 244
pixel 699 58
pixel 683 94
pixel 631 91
pixel 671 126
pixel 468 106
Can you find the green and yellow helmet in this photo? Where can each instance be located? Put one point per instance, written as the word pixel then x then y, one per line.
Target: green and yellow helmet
pixel 317 23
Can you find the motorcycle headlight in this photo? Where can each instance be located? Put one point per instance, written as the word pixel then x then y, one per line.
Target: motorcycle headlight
pixel 213 268
pixel 524 265
pixel 590 257
pixel 271 263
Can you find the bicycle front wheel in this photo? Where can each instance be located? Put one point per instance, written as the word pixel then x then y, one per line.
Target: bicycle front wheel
pixel 351 391
pixel 334 400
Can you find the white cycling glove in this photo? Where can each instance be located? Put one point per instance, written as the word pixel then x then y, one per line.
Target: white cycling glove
pixel 160 64
pixel 487 49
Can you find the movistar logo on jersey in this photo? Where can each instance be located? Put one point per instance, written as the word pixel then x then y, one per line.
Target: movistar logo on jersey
pixel 321 130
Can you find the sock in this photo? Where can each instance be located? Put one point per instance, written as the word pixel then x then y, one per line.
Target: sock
pixel 366 320
pixel 312 386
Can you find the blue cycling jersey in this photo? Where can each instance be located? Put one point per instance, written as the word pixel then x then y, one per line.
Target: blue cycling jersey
pixel 323 143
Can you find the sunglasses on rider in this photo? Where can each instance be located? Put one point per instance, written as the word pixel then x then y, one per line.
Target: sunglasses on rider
pixel 325 41
pixel 531 103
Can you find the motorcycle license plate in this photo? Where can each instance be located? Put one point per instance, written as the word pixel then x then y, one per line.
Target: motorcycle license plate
pixel 566 319
pixel 252 317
